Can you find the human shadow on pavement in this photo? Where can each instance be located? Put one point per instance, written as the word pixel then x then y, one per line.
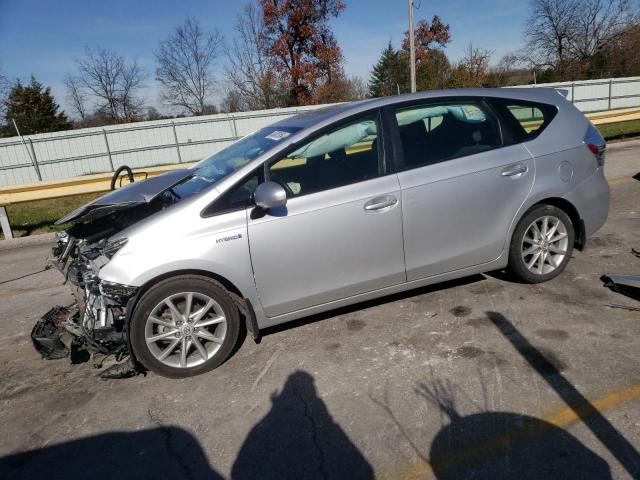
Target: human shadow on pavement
pixel 163 452
pixel 501 445
pixel 298 439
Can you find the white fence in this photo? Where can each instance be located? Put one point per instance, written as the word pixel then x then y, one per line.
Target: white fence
pixel 72 153
pixel 596 95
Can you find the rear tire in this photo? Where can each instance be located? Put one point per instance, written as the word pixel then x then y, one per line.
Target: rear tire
pixel 184 326
pixel 541 244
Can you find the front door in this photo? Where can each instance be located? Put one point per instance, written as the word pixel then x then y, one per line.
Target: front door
pixel 340 233
pixel 461 187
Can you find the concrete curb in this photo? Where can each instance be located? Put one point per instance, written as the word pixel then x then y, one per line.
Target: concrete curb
pixel 27 241
pixel 623 144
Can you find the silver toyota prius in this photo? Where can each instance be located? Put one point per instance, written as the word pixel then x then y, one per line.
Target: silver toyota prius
pixel 325 209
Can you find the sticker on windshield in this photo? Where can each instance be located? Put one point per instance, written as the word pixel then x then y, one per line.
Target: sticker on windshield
pixel 277 135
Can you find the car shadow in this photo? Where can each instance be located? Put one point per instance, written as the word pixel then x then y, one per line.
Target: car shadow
pixel 163 452
pixel 297 438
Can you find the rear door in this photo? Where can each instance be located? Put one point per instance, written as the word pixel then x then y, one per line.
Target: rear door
pixel 461 184
pixel 340 233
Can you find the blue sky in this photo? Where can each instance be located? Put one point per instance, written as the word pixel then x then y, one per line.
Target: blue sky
pixel 42 37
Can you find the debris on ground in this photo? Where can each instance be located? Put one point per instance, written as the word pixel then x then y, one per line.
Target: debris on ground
pixel 623 307
pixel 120 370
pixel 628 285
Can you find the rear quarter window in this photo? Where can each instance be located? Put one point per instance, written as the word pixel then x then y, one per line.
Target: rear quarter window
pixel 526 120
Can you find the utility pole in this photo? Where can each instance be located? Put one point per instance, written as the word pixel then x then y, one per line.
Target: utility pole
pixel 412 49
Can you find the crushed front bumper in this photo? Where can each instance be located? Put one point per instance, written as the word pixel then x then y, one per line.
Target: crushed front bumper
pixel 48 333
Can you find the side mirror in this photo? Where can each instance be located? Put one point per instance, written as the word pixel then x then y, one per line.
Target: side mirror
pixel 270 195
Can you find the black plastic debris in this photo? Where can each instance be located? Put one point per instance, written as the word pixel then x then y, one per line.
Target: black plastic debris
pixel 47 334
pixel 628 285
pixel 622 307
pixel 119 370
pixel 78 351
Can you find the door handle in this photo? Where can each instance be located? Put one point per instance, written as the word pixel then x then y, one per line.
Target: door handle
pixel 513 170
pixel 378 203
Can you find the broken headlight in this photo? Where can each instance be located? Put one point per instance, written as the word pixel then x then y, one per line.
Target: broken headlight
pixel 117 291
pixel 112 246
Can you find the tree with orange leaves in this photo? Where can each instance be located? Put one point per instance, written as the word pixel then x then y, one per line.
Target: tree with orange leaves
pixel 432 65
pixel 428 37
pixel 301 46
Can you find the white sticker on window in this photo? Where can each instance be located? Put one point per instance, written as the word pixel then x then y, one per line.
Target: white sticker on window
pixel 277 135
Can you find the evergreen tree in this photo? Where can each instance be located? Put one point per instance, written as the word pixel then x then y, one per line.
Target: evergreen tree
pixel 34 109
pixel 433 71
pixel 390 74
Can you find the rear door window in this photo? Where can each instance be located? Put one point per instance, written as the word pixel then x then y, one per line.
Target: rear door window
pixel 435 132
pixel 525 119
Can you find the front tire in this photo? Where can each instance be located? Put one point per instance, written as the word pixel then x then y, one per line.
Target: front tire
pixel 541 245
pixel 184 326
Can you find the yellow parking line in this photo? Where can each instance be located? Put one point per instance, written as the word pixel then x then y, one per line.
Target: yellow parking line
pixel 560 418
pixel 567 416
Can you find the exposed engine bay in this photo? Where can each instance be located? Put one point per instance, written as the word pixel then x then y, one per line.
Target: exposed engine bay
pixel 95 325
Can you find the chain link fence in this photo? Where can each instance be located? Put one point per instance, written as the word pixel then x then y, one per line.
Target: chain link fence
pixel 85 151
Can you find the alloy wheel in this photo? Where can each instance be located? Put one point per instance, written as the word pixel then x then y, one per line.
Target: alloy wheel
pixel 185 329
pixel 544 245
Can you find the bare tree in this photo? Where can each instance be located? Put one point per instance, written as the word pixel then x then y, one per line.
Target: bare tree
pixel 232 102
pixel 248 65
pixel 358 88
pixel 476 62
pixel 76 97
pixel 550 28
pixel 623 54
pixel 510 70
pixel 185 66
pixel 113 82
pixel 566 35
pixel 597 24
pixel 132 78
pixel 5 88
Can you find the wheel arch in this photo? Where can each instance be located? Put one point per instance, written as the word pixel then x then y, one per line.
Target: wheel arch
pixel 227 284
pixel 246 309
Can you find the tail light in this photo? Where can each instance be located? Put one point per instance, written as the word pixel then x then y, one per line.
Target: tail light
pixel 598 151
pixel 596 144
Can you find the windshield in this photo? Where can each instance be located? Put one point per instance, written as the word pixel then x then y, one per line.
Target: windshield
pixel 237 155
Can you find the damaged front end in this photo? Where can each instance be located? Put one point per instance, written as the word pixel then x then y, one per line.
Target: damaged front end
pixel 95 326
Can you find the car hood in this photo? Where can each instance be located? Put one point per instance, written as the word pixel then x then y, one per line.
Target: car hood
pixel 136 193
